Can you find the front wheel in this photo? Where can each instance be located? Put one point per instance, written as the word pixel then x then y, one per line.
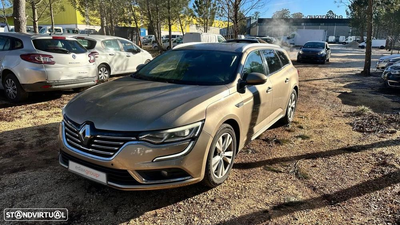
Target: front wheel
pixel 290 109
pixel 13 89
pixel 220 157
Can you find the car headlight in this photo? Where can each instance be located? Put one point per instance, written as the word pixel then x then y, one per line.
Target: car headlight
pixel 300 52
pixel 321 53
pixel 172 135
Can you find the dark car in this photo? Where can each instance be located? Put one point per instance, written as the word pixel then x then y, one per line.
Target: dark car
pixel 247 40
pixel 391 76
pixel 318 51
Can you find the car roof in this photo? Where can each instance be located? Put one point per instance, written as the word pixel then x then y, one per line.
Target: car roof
pixel 225 47
pixel 97 37
pixel 248 40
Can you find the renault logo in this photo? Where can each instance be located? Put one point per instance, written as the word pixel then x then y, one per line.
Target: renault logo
pixel 73 56
pixel 84 135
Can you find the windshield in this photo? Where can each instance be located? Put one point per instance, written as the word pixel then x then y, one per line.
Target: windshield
pixel 314 45
pixel 192 67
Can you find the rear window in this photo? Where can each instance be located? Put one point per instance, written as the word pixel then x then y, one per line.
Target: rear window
pixel 88 44
pixel 59 46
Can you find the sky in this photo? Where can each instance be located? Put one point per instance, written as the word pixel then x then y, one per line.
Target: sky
pixel 307 7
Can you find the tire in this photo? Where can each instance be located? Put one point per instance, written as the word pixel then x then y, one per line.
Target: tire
pixel 14 91
pixel 298 60
pixel 103 72
pixel 290 108
pixel 220 159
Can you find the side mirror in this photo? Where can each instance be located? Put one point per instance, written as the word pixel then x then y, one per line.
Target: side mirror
pixel 252 79
pixel 140 66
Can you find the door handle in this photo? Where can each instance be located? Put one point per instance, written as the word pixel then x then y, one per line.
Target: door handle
pixel 269 90
pixel 111 54
pixel 287 80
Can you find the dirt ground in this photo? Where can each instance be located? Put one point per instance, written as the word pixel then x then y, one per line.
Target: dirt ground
pixel 338 163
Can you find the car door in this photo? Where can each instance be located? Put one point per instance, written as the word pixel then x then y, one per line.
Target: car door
pixel 133 54
pixel 257 99
pixel 115 57
pixel 4 45
pixel 279 79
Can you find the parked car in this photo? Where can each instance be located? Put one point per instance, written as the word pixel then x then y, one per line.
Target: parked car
pixel 148 39
pixel 89 31
pixel 35 63
pixel 180 119
pixel 315 51
pixel 386 61
pixel 115 55
pixel 165 43
pixel 247 40
pixel 48 30
pixel 270 40
pixel 203 37
pixel 375 44
pixel 391 76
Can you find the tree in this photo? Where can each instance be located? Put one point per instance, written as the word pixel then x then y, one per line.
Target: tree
pixel 330 14
pixel 5 4
pixel 297 15
pixel 19 16
pixel 281 14
pixel 205 11
pixel 35 16
pixel 237 11
pixel 185 17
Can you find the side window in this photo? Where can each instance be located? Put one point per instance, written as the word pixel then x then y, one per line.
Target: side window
pixel 111 45
pixel 129 47
pixel 283 58
pixel 254 63
pixel 273 60
pixel 220 39
pixel 5 43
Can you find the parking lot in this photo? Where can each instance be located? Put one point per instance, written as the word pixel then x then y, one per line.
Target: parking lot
pixel 338 163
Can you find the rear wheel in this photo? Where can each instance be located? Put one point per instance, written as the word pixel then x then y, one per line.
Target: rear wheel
pixel 103 73
pixel 290 109
pixel 220 157
pixel 13 89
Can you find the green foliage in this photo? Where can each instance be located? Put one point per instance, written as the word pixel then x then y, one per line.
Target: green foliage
pixel 282 14
pixel 297 15
pixel 205 11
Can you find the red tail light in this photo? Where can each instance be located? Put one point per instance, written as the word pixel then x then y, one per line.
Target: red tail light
pixel 93 56
pixel 58 38
pixel 38 58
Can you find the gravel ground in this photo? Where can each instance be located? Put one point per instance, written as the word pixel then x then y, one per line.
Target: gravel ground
pixel 338 163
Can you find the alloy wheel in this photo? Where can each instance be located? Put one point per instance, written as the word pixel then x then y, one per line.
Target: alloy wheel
pixel 223 155
pixel 11 88
pixel 103 73
pixel 291 106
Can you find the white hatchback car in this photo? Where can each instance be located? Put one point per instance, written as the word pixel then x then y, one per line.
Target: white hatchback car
pixel 115 55
pixel 35 63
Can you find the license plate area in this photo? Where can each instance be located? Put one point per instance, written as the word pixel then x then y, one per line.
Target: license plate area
pixel 87 172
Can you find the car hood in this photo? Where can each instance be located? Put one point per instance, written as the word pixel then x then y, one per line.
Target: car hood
pixel 130 104
pixel 312 50
pixel 389 56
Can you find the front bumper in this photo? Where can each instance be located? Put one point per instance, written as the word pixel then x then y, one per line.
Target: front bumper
pixel 135 165
pixel 311 57
pixel 391 80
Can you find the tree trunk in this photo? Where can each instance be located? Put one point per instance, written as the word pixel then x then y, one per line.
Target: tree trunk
pixel 51 16
pixel 135 19
pixel 19 16
pixel 235 18
pixel 169 23
pixel 103 19
pixel 368 51
pixel 34 17
pixel 181 25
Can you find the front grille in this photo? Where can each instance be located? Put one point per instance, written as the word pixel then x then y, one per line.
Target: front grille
pixel 100 143
pixel 121 177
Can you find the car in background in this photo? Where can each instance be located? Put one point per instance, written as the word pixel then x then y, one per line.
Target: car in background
pixel 37 63
pixel 318 51
pixel 386 61
pixel 270 40
pixel 246 40
pixel 375 44
pixel 114 55
pixel 391 76
pixel 203 37
pixel 48 30
pixel 180 119
pixel 88 31
pixel 165 43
